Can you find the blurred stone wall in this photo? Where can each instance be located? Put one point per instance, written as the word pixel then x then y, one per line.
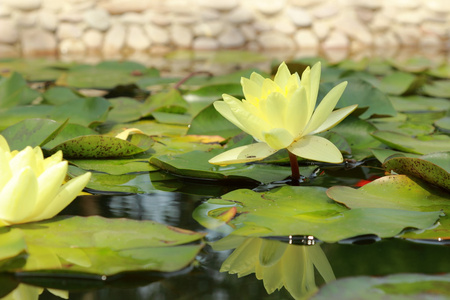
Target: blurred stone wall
pixel 33 27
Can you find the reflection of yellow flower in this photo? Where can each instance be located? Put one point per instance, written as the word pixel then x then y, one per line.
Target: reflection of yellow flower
pixel 277 264
pixel 28 292
pixel 282 113
pixel 31 187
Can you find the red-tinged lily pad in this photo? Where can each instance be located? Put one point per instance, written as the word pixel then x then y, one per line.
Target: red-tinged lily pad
pixel 100 146
pixel 433 168
pixel 307 211
pixel 398 286
pixel 398 192
pixel 105 246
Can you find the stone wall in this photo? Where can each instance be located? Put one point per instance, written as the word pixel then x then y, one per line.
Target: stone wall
pixel 33 27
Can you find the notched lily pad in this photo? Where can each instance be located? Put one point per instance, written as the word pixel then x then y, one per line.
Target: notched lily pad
pixel 435 172
pixel 103 246
pixel 101 146
pixel 308 211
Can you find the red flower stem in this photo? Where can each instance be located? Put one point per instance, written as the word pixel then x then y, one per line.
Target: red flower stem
pixel 294 167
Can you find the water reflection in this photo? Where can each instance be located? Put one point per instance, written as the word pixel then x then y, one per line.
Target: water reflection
pixel 277 264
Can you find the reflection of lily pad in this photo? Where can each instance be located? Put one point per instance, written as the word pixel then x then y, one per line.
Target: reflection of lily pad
pixel 435 171
pixel 398 286
pixel 106 246
pixel 401 193
pixel 308 211
pixel 96 146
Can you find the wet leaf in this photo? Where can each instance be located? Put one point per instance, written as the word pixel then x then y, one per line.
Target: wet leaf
pixel 420 145
pixel 107 246
pixel 101 146
pixel 14 91
pixel 397 286
pixel 308 211
pixel 433 168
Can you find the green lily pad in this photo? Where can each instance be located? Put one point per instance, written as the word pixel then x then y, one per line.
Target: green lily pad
pixel 195 164
pixel 419 145
pixel 443 123
pixel 383 154
pixel 401 193
pixel 32 132
pixel 398 83
pixel 170 118
pixel 107 74
pixel 439 88
pixel 435 171
pixel 58 95
pixel 11 243
pixel 362 93
pixel 106 246
pixel 70 131
pixel 214 92
pixel 103 183
pixel 397 286
pixel 442 71
pixel 407 128
pixel 101 146
pixel 14 91
pixel 308 211
pixel 124 109
pixel 151 127
pixel 170 102
pixel 210 122
pixel 419 103
pixel 118 166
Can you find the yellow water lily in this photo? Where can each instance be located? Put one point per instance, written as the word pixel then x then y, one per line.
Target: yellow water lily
pixel 282 114
pixel 31 187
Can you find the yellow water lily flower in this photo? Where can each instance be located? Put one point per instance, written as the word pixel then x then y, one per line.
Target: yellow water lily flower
pixel 282 114
pixel 31 187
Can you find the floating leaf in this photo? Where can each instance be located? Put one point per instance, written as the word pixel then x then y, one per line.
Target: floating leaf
pixel 398 83
pixel 397 192
pixel 419 103
pixel 308 211
pixel 383 154
pixel 170 118
pixel 397 286
pixel 151 127
pixel 435 171
pixel 439 88
pixel 419 145
pixel 443 123
pixel 124 110
pixel 14 91
pixel 214 92
pixel 101 146
pixel 12 243
pixel 195 165
pixel 170 102
pixel 106 246
pixel 58 95
pixel 115 166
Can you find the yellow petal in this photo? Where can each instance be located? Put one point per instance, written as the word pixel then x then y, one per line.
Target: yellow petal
pixel 271 252
pixel 257 78
pixel 282 76
pixel 335 118
pixel 39 157
pixel 242 260
pixel 53 160
pixel 4 147
pixel 5 170
pixel 316 148
pixel 252 91
pixel 18 197
pixel 314 83
pixel 226 112
pixel 248 153
pixel 294 264
pixel 325 107
pixel 274 109
pixel 268 88
pixel 66 194
pixel 292 86
pixel 278 138
pixel 25 158
pixel 297 112
pixel 49 183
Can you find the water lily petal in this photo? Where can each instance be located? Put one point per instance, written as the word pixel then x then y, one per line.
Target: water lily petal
pixel 292 86
pixel 4 147
pixel 49 184
pixel 282 76
pixel 66 194
pixel 251 123
pixel 274 109
pixel 294 264
pixel 252 91
pixel 53 160
pixel 18 197
pixel 314 83
pixel 248 153
pixel 297 112
pixel 242 260
pixel 39 158
pixel 306 83
pixel 226 112
pixel 269 87
pixel 271 252
pixel 316 148
pixel 325 107
pixel 278 138
pixel 24 158
pixel 335 118
pixel 257 78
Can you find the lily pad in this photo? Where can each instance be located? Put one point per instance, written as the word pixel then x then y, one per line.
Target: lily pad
pixel 101 146
pixel 439 88
pixel 398 83
pixel 118 166
pixel 398 192
pixel 195 164
pixel 419 103
pixel 419 145
pixel 14 91
pixel 397 286
pixel 214 92
pixel 443 124
pixel 383 154
pixel 106 246
pixel 169 101
pixel 124 109
pixel 433 168
pixel 308 211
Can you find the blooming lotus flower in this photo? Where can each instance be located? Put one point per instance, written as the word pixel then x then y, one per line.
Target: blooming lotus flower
pixel 31 187
pixel 282 114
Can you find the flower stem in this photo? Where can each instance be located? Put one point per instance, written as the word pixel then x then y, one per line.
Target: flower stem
pixel 294 168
